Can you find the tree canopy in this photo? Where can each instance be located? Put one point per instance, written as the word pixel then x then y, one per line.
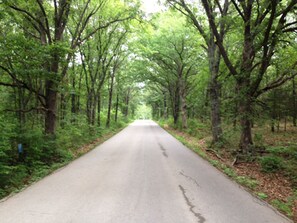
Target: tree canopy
pixel 69 70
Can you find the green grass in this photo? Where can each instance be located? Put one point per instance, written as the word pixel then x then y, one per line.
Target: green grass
pixel 285 207
pixel 262 195
pixel 247 182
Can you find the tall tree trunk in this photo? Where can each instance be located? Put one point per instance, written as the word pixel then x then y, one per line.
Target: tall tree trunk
pixel 183 106
pixel 294 104
pixel 175 111
pixel 176 105
pixel 245 111
pixel 116 109
pixel 273 112
pixel 184 113
pixel 109 100
pixel 73 101
pixel 78 105
pixel 51 85
pixel 73 93
pixel 214 91
pixel 278 119
pixel 244 87
pixel 215 111
pixel 165 106
pixel 94 106
pixel 127 101
pixel 21 107
pixel 51 107
pixel 62 110
pixel 99 109
pixel 89 107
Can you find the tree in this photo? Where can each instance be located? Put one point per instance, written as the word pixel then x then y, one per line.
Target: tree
pixel 48 56
pixel 263 25
pixel 174 57
pixel 213 53
pixel 47 24
pixel 98 64
pixel 294 109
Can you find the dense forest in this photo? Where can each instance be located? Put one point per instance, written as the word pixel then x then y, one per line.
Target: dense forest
pixel 64 80
pixel 220 70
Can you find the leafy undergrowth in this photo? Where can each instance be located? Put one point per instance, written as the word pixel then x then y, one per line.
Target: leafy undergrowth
pixel 271 175
pixel 27 172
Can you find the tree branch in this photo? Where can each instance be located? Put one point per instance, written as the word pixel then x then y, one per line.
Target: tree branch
pixel 30 16
pixel 46 20
pixel 218 38
pixel 238 10
pixel 278 82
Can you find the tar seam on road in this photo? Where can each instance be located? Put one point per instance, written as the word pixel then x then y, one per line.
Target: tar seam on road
pixel 164 150
pixel 199 217
pixel 189 178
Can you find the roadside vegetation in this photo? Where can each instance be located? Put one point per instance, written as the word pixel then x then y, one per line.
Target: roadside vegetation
pixel 35 163
pixel 270 175
pixel 221 75
pixel 65 83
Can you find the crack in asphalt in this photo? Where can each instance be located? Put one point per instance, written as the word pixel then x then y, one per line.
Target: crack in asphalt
pixel 189 178
pixel 199 217
pixel 164 150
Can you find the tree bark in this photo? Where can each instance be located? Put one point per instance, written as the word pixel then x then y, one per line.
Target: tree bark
pixel 74 108
pixel 110 93
pixel 183 105
pixel 116 109
pixel 214 91
pixel 94 106
pixel 244 86
pixel 89 108
pixel 273 112
pixel 175 113
pixel 51 107
pixel 294 104
pixel 165 115
pixel 127 102
pixel 215 111
pixel 99 109
pixel 176 105
pixel 63 108
pixel 245 111
pixel 73 101
pixel 21 107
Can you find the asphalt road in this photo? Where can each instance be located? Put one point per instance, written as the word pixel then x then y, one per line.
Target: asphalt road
pixel 141 175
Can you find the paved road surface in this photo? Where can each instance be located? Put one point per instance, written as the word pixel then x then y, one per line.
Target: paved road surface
pixel 141 175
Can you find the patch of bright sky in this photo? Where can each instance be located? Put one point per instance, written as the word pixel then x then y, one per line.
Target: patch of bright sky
pixel 151 6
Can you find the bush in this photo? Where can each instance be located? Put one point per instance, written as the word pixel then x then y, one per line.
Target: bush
pixel 288 152
pixel 271 164
pixel 258 138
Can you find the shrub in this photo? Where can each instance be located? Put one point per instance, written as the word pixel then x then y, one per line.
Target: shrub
pixel 289 152
pixel 258 138
pixel 271 164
